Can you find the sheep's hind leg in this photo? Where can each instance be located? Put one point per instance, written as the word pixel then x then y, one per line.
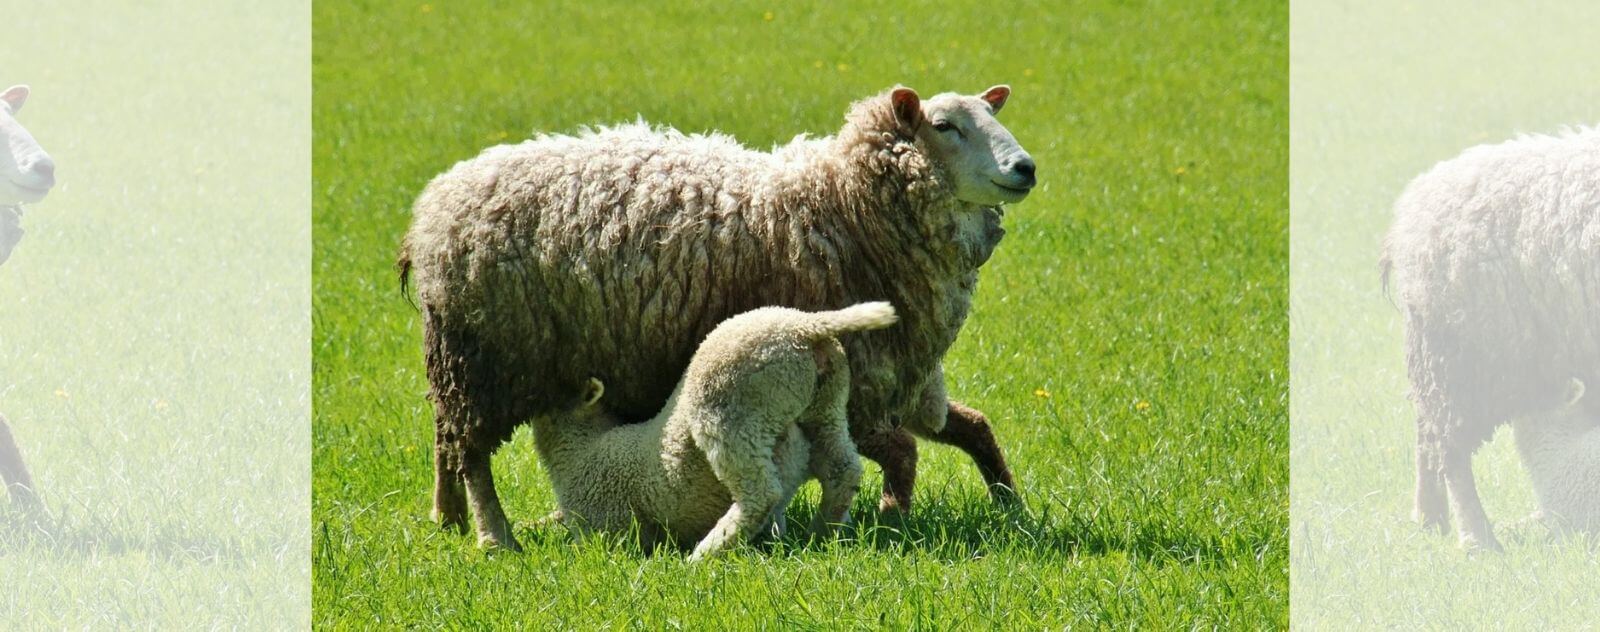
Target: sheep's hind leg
pixel 494 530
pixel 449 496
pixel 1432 506
pixel 1474 523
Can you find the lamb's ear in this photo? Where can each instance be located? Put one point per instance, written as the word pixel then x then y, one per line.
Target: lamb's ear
pixel 907 106
pixel 996 97
pixel 593 392
pixel 14 97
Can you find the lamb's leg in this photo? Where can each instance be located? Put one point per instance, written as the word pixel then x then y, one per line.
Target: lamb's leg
pixel 895 451
pixel 493 527
pixel 837 468
pixel 449 497
pixel 1432 507
pixel 1474 523
pixel 968 429
pixel 743 462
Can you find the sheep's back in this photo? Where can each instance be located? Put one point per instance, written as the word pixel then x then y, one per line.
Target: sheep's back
pixel 1496 258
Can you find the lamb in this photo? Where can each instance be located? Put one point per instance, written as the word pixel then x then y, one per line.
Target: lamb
pixel 612 253
pixel 759 411
pixel 1495 259
pixel 1561 451
pixel 26 174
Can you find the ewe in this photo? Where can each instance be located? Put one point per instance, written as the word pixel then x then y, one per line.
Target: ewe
pixel 759 411
pixel 611 254
pixel 1495 259
pixel 26 175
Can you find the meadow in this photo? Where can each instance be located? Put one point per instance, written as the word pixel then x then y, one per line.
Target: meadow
pixel 1380 94
pixel 1129 337
pixel 154 323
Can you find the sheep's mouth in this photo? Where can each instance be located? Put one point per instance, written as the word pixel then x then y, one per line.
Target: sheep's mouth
pixel 1020 192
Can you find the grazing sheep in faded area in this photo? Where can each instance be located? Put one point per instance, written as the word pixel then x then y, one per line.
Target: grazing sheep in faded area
pixel 1561 451
pixel 1495 261
pixel 26 174
pixel 759 411
pixel 611 254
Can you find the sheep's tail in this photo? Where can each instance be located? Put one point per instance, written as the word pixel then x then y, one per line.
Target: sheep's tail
pixel 858 317
pixel 12 470
pixel 1385 272
pixel 402 267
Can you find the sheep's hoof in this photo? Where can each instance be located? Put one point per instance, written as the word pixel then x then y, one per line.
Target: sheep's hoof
pixel 1005 496
pixel 1487 545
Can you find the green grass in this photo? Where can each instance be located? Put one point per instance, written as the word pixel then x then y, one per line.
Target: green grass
pixel 1141 293
pixel 153 324
pixel 1380 94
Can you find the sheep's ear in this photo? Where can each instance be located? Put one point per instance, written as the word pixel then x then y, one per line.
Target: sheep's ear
pixel 14 97
pixel 996 97
pixel 907 106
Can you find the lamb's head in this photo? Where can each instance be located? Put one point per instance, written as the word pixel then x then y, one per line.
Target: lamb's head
pixel 961 135
pixel 26 171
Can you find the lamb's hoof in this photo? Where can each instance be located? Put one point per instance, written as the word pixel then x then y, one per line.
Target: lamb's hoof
pixel 1429 521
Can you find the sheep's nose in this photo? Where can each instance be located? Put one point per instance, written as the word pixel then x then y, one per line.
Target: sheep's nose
pixel 1024 168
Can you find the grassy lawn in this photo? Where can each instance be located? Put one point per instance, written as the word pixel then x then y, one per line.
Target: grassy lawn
pixel 1380 95
pixel 153 324
pixel 1129 337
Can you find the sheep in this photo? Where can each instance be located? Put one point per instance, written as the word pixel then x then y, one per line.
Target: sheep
pixel 759 411
pixel 26 174
pixel 1495 262
pixel 1561 452
pixel 611 253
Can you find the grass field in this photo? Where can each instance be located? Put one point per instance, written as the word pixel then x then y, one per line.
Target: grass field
pixel 1381 93
pixel 1128 339
pixel 153 324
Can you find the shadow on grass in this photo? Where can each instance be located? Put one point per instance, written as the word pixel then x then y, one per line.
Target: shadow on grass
pixel 68 535
pixel 969 529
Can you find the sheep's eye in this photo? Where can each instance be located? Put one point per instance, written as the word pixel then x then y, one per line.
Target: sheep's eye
pixel 943 126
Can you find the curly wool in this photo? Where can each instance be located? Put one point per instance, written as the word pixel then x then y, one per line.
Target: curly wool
pixel 760 410
pixel 612 253
pixel 1495 261
pixel 1561 452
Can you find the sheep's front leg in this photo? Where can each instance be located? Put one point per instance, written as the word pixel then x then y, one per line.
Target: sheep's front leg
pixel 969 430
pixel 895 451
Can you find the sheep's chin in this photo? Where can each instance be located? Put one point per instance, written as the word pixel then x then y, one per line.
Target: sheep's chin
pixel 13 193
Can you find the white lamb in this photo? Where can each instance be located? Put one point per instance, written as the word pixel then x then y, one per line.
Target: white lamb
pixel 1561 451
pixel 759 411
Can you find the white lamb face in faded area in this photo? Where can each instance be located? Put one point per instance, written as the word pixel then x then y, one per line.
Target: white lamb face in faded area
pixel 26 171
pixel 981 157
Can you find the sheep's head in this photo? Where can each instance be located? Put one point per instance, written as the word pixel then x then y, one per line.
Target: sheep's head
pixel 983 161
pixel 26 172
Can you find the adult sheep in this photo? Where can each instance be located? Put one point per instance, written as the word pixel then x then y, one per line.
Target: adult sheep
pixel 26 174
pixel 611 254
pixel 1495 261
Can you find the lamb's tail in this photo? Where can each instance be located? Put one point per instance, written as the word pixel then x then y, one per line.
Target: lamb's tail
pixel 858 317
